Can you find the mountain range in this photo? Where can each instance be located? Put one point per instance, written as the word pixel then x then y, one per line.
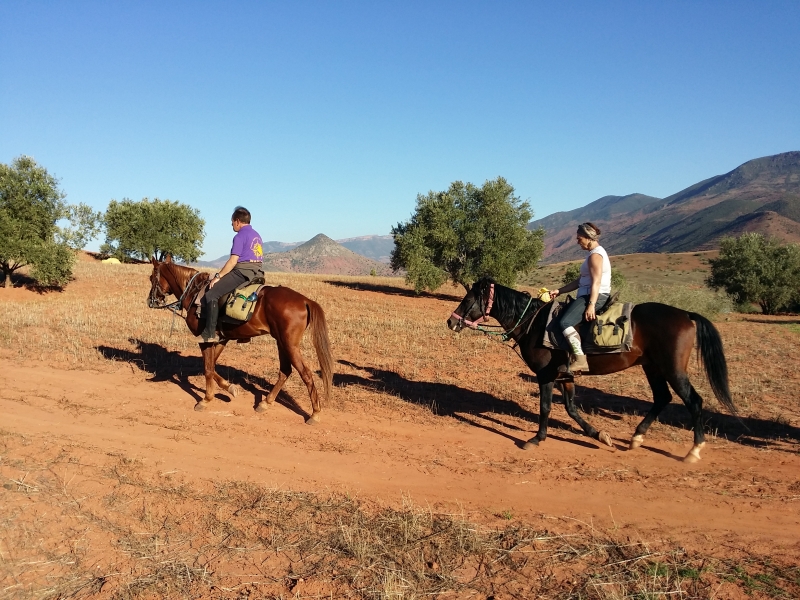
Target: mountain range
pixel 762 195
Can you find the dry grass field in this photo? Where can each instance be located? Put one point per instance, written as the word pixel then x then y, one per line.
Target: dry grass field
pixel 414 485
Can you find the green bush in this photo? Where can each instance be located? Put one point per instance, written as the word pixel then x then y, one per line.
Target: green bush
pixel 699 300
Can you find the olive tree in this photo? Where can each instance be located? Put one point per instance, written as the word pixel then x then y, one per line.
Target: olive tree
pixel 153 228
pixel 753 268
pixel 465 233
pixel 32 211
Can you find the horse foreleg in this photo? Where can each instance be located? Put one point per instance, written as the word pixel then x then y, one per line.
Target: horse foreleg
pixel 661 397
pixel 572 411
pixel 231 388
pixel 283 375
pixel 545 404
pixel 210 354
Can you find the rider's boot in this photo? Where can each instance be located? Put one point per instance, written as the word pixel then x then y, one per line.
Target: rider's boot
pixel 574 339
pixel 210 332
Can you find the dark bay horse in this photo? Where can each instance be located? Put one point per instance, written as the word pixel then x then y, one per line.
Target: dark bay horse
pixel 663 338
pixel 279 311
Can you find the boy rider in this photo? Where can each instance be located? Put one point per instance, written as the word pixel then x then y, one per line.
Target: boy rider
pixel 244 264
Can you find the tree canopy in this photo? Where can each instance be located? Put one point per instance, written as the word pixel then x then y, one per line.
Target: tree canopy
pixel 153 228
pixel 755 269
pixel 31 208
pixel 466 233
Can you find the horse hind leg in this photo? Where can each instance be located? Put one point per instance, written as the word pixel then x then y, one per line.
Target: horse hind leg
pixel 661 397
pixel 308 379
pixel 694 403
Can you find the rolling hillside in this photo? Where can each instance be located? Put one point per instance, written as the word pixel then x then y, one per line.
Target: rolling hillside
pixel 762 195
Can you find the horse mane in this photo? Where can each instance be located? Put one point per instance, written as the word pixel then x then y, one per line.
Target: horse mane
pixel 509 304
pixel 183 274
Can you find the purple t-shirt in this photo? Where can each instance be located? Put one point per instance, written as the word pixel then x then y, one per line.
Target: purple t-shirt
pixel 247 245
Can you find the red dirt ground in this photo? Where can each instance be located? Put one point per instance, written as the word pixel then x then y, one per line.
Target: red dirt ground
pixel 744 493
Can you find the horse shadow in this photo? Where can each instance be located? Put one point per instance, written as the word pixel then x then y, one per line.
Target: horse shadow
pixel 749 431
pixel 445 399
pixel 391 290
pixel 171 366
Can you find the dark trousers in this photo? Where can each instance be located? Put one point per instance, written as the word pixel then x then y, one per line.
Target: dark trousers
pixel 574 312
pixel 241 274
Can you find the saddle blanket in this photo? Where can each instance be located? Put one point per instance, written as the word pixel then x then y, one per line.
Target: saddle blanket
pixel 610 333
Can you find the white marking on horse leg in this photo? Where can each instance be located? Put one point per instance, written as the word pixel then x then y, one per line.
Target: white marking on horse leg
pixel 605 438
pixel 636 441
pixel 694 453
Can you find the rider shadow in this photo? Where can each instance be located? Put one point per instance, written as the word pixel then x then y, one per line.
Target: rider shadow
pixel 391 290
pixel 446 399
pixel 748 431
pixel 172 366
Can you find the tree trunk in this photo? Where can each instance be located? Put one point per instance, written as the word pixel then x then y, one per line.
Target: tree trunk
pixel 7 272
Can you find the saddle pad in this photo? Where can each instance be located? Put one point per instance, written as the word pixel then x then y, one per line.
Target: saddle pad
pixel 617 314
pixel 240 303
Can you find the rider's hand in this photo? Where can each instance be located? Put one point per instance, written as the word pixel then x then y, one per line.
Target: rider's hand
pixel 213 281
pixel 589 315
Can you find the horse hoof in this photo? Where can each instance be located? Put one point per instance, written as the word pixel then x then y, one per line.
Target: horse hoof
pixel 694 454
pixel 313 420
pixel 636 441
pixel 605 438
pixel 201 406
pixel 261 407
pixel 234 390
pixel 531 444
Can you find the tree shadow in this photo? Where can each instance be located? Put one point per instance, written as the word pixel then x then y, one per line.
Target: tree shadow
pixel 20 280
pixel 773 321
pixel 172 366
pixel 749 431
pixel 392 290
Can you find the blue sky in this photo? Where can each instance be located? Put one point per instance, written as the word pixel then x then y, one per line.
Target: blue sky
pixel 330 117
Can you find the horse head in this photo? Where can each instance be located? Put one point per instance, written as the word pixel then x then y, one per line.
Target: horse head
pixel 159 286
pixel 474 307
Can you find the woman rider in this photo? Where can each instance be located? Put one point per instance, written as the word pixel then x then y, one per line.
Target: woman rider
pixel 593 285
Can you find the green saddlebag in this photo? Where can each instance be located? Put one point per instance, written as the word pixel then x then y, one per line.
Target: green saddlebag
pixel 612 327
pixel 241 302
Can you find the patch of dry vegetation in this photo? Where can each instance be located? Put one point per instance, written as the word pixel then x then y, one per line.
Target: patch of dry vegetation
pixel 109 527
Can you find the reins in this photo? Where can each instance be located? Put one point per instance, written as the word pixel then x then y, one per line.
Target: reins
pixel 486 329
pixel 172 305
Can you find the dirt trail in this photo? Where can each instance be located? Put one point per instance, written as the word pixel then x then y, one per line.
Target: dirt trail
pixel 736 492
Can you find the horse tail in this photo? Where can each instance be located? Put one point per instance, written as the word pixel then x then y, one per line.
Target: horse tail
pixel 319 337
pixel 709 345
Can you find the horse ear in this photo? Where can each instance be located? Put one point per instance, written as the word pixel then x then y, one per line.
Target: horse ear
pixel 168 259
pixel 153 260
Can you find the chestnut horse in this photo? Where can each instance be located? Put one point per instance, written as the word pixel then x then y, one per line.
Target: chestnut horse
pixel 279 311
pixel 663 338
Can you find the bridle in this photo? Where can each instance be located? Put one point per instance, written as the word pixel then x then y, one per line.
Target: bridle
pixel 484 313
pixel 153 301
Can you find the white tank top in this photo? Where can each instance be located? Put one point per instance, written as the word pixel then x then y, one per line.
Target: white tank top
pixel 586 277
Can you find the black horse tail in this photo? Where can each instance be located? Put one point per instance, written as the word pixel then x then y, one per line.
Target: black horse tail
pixel 709 345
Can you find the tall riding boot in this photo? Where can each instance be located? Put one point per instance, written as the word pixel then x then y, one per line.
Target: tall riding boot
pixel 574 339
pixel 210 332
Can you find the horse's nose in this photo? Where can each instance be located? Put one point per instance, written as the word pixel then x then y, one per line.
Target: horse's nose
pixel 452 323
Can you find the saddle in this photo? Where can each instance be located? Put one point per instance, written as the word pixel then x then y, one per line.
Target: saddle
pixel 609 333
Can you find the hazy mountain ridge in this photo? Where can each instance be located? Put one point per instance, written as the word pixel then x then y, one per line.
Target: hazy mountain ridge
pixel 375 247
pixel 761 195
pixel 323 255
